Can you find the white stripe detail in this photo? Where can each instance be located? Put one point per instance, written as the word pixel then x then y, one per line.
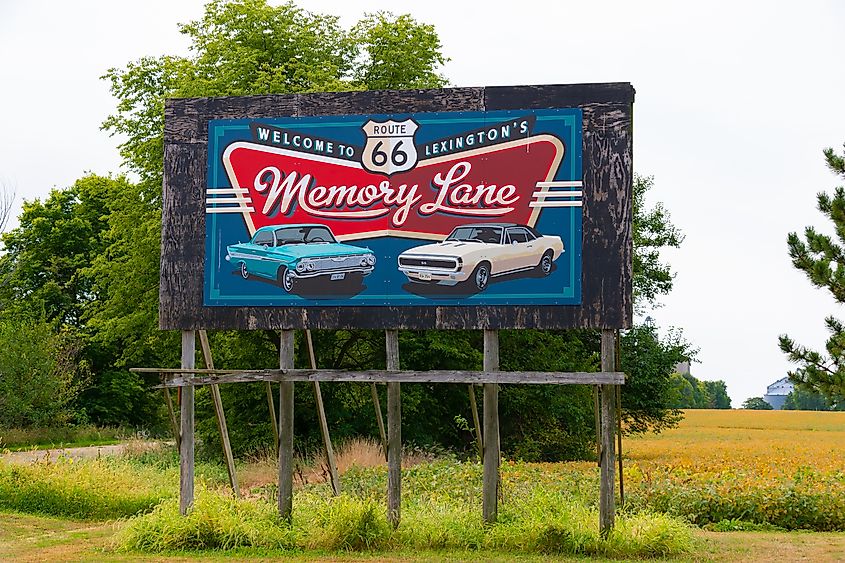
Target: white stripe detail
pixel 572 184
pixel 543 195
pixel 555 204
pixel 228 200
pixel 225 191
pixel 229 209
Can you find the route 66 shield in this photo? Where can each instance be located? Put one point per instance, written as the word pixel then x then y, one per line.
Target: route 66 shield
pixel 390 146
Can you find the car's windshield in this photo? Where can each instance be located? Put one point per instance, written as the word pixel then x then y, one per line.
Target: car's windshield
pixel 492 235
pixel 302 235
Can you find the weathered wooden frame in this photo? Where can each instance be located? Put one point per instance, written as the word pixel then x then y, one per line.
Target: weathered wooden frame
pixel 188 376
pixel 607 212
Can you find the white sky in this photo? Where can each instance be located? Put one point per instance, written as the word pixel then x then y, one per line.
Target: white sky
pixel 735 102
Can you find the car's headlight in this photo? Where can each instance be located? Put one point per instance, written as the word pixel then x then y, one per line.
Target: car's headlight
pixel 310 266
pixel 370 259
pixel 300 267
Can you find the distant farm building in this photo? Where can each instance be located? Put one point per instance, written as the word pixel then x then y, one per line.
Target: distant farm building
pixel 777 392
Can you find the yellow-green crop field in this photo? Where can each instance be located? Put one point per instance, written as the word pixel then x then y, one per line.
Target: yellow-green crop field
pixel 784 468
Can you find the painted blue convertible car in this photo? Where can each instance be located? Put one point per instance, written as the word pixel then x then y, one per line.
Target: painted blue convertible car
pixel 289 254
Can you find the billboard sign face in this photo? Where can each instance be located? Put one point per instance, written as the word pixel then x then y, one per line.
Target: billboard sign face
pixel 422 209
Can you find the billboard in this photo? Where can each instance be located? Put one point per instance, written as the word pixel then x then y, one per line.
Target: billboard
pixel 413 209
pixel 453 208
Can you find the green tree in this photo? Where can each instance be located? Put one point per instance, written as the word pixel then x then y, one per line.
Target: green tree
pixel 240 47
pixel 717 395
pixel 56 239
pixel 822 258
pixel 653 231
pixel 803 400
pixel 649 362
pixel 40 375
pixel 243 47
pixel 756 404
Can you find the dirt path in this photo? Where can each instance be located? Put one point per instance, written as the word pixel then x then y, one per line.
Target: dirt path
pixel 86 452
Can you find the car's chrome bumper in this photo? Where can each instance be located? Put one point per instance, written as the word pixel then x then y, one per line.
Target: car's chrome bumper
pixel 364 270
pixel 438 275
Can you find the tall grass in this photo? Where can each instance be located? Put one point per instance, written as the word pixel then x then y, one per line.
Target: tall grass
pixel 97 489
pixel 540 524
pixel 443 515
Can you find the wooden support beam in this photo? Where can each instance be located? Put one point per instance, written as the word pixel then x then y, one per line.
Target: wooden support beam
pixel 179 377
pixel 321 417
pixel 186 449
pixel 220 414
pixel 379 419
pixel 597 413
pixel 618 365
pixel 174 424
pixel 607 501
pixel 473 404
pixel 490 479
pixel 286 353
pixel 394 432
pixel 274 422
pixel 619 444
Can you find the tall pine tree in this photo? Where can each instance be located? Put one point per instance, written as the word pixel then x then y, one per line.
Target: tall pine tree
pixel 822 258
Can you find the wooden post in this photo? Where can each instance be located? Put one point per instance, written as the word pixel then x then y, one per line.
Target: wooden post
pixel 186 449
pixel 286 428
pixel 490 481
pixel 479 441
pixel 379 419
pixel 619 443
pixel 174 424
pixel 597 413
pixel 273 420
pixel 221 416
pixel 321 417
pixel 607 502
pixel 394 432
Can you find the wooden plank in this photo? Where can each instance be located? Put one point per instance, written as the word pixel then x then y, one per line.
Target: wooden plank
pixel 174 424
pixel 607 501
pixel 220 414
pixel 321 417
pixel 286 356
pixel 473 405
pixel 274 422
pixel 379 419
pixel 490 476
pixel 203 377
pixel 186 451
pixel 394 432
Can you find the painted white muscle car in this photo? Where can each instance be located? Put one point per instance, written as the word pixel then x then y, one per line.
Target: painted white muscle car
pixel 475 253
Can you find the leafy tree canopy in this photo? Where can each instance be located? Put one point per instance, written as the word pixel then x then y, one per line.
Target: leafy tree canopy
pixel 756 404
pixel 653 231
pixel 822 258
